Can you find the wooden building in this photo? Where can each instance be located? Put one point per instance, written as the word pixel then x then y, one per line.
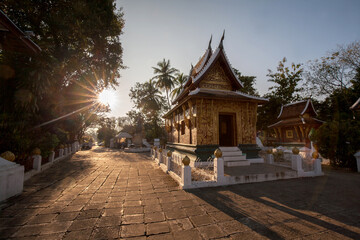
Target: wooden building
pixel 295 122
pixel 13 39
pixel 211 110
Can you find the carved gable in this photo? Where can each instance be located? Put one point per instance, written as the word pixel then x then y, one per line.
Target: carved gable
pixel 216 79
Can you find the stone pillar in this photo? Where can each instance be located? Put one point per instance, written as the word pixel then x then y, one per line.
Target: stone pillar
pixel 218 166
pixel 186 172
pixel 296 164
pixel 154 153
pixel 37 162
pixel 65 151
pixel 160 156
pixel 357 156
pixel 168 160
pixel 51 156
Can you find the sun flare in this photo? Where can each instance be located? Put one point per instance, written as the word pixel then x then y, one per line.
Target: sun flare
pixel 108 97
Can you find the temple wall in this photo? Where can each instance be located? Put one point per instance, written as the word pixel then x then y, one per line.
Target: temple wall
pixel 175 134
pixel 208 120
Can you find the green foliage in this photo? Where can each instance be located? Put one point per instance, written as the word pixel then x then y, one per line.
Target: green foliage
pixel 339 141
pixel 150 105
pixel 179 82
pixel 81 55
pixel 339 138
pixel 285 90
pixel 47 143
pixel 286 81
pixel 106 130
pixel 248 83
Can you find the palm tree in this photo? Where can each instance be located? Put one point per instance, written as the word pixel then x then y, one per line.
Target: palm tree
pixel 153 98
pixel 179 82
pixel 165 76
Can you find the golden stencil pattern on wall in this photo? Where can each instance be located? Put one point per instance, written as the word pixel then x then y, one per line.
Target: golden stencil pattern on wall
pixel 248 122
pixel 208 120
pixel 216 79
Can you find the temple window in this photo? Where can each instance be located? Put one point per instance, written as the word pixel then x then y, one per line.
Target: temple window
pixel 289 134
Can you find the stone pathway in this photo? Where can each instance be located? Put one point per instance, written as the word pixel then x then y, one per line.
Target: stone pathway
pixel 106 194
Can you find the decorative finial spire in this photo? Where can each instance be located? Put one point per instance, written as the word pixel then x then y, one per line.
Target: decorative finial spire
pixel 192 67
pixel 222 39
pixel 209 47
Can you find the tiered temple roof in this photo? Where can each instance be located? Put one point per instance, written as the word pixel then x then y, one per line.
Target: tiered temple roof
pixel 209 60
pixel 298 113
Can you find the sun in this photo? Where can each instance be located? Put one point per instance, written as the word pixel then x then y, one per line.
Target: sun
pixel 108 97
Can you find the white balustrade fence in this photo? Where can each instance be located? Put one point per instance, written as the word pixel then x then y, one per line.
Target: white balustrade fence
pixel 303 164
pixel 173 165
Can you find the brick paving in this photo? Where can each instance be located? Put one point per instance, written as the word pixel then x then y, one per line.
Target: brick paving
pixel 107 194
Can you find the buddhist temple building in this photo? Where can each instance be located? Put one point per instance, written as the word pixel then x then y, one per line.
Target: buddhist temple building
pixel 295 122
pixel 211 111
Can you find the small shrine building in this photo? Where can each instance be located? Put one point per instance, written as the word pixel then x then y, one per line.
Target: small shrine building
pixel 211 111
pixel 295 122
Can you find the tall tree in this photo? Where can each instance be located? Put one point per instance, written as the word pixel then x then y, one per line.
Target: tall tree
pixel 179 82
pixel 149 105
pixel 333 71
pixel 339 138
pixel 81 55
pixel 286 81
pixel 164 74
pixel 248 83
pixel 285 90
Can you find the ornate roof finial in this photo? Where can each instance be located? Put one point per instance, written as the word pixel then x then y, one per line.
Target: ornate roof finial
pixel 209 47
pixel 192 67
pixel 222 39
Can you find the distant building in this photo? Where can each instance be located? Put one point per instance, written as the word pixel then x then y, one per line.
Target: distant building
pixel 295 122
pixel 211 111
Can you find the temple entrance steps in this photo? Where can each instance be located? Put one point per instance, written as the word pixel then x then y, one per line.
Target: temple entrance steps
pixel 233 156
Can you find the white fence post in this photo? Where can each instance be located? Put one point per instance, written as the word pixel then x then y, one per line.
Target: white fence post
pixel 186 172
pixel 159 156
pixel 51 156
pixel 317 166
pixel 296 164
pixel 316 163
pixel 168 160
pixel 61 152
pixel 37 162
pixel 219 166
pixel 269 159
pixel 357 156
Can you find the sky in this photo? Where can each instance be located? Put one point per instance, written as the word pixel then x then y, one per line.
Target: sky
pixel 259 33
